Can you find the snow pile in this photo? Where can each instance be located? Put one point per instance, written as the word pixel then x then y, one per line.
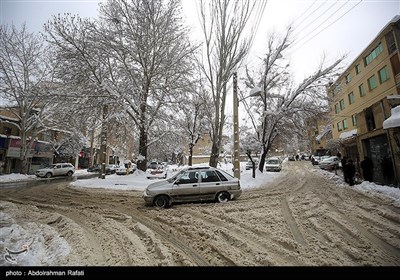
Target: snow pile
pixel 16 177
pixel 28 243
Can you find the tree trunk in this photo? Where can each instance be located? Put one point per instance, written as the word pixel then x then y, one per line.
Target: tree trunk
pixel 214 155
pixel 142 148
pixel 262 160
pixel 190 155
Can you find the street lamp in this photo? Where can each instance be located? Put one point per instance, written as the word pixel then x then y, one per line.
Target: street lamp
pixel 256 91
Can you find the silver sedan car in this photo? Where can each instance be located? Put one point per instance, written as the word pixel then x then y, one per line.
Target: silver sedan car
pixel 193 184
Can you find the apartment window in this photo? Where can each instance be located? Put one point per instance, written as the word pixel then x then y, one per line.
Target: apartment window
pixel 351 98
pixel 6 130
pixel 345 124
pixel 342 105
pixel 348 78
pixel 361 90
pixel 372 83
pixel 383 75
pixel 369 119
pixel 354 119
pixel 373 54
pixel 358 68
pixel 337 108
pixel 339 126
pixel 391 45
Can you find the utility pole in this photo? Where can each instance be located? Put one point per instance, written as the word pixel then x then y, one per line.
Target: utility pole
pixel 236 147
pixel 103 144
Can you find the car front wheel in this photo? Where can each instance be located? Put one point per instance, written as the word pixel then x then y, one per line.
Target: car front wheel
pixel 223 197
pixel 161 201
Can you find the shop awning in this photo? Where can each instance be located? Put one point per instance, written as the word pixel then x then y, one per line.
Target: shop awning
pixel 348 134
pixel 393 120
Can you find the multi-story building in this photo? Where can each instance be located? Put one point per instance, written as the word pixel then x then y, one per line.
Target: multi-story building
pixel 319 133
pixel 361 99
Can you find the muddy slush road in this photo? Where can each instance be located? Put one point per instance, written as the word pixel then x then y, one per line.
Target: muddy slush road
pixel 302 219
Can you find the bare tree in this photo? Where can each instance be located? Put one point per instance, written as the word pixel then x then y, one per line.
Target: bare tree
pixel 223 25
pixel 26 77
pixel 137 53
pixel 281 107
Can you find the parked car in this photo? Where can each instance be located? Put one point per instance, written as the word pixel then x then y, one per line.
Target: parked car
pixel 156 170
pixel 273 164
pixel 122 169
pixel 191 185
pixel 291 158
pixel 249 164
pixel 110 169
pixel 330 163
pixel 58 169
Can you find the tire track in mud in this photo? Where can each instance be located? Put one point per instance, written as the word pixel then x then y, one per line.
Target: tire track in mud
pixel 186 249
pixel 374 239
pixel 254 240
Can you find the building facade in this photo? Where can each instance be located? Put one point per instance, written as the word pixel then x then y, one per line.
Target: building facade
pixel 361 99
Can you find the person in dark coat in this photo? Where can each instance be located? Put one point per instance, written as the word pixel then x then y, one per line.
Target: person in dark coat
pixel 349 171
pixel 387 169
pixel 367 167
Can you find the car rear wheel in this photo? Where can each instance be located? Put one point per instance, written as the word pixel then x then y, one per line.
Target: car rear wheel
pixel 223 197
pixel 161 201
pixel 48 175
pixel 69 174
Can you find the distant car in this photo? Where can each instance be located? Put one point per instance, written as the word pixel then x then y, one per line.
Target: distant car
pixel 291 158
pixel 110 169
pixel 273 164
pixel 58 169
pixel 156 170
pixel 191 185
pixel 249 164
pixel 330 163
pixel 122 169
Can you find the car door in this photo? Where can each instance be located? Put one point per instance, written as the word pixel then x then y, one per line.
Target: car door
pixel 57 170
pixel 210 185
pixel 187 187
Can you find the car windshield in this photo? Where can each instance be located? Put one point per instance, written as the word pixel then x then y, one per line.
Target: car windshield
pixel 273 161
pixel 176 176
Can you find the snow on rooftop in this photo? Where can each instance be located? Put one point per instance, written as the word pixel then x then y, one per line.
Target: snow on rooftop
pixel 348 134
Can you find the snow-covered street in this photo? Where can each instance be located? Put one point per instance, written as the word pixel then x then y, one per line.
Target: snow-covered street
pixel 300 216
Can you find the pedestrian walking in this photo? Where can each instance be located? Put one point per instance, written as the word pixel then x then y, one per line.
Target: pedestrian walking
pixel 349 171
pixel 367 167
pixel 387 169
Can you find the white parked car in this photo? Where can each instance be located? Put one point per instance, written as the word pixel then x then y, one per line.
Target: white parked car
pixel 156 170
pixel 273 164
pixel 330 163
pixel 122 169
pixel 58 169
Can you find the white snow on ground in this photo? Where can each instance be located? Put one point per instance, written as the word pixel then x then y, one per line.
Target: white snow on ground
pixel 49 248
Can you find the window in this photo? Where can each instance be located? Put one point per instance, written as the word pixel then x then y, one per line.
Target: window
pixel 372 83
pixel 7 130
pixel 348 78
pixel 209 176
pixel 337 108
pixel 222 177
pixel 345 124
pixel 361 90
pixel 391 45
pixel 373 54
pixel 369 119
pixel 358 68
pixel 339 126
pixel 383 75
pixel 342 105
pixel 351 98
pixel 354 119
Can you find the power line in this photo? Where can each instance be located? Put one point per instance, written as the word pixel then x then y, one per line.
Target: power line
pixel 328 25
pixel 315 20
pixel 306 10
pixel 313 12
